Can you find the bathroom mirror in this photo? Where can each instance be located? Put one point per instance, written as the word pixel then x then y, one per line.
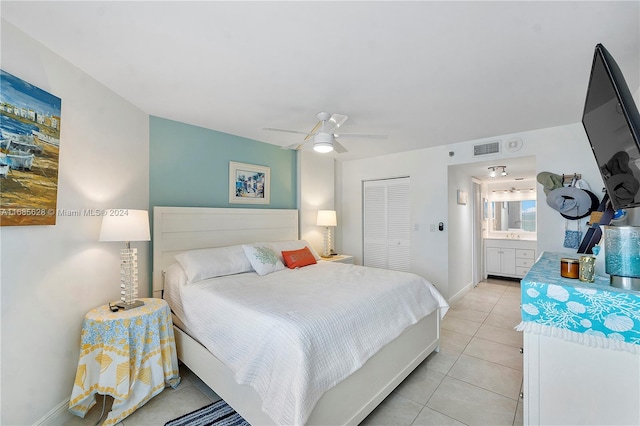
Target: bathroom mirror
pixel 514 215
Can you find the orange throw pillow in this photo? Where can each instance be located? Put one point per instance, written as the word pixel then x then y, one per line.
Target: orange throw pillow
pixel 298 258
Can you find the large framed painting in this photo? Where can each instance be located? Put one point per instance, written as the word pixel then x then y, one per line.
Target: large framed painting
pixel 29 151
pixel 249 184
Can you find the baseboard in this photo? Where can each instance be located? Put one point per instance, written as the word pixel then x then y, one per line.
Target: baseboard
pixel 57 416
pixel 459 295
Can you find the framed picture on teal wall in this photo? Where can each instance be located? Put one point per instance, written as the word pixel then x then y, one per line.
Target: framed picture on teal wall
pixel 249 183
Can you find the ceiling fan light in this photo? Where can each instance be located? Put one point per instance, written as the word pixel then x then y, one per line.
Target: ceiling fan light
pixel 323 147
pixel 323 142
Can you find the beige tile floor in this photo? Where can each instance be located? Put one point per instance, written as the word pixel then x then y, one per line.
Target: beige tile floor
pixel 475 379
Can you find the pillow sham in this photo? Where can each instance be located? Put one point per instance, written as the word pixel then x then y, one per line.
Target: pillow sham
pixel 280 246
pixel 213 262
pixel 263 259
pixel 174 281
pixel 175 275
pixel 298 258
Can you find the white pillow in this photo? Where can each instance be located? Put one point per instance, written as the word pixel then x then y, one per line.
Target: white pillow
pixel 280 246
pixel 174 281
pixel 175 276
pixel 213 262
pixel 263 258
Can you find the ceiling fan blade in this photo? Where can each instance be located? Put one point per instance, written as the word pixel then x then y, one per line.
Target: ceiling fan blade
pixel 338 120
pixel 325 127
pixel 360 135
pixel 313 131
pixel 297 146
pixel 338 147
pixel 285 131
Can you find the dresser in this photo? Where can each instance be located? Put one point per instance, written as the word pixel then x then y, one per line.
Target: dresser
pixel 581 349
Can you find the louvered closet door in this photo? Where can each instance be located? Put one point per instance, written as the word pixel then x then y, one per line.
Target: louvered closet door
pixel 387 227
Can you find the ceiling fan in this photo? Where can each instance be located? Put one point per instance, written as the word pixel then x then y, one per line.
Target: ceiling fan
pixel 323 135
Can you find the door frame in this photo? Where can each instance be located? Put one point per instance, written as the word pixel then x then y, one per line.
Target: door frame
pixel 477 255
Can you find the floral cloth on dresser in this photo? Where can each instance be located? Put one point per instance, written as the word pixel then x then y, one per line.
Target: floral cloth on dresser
pixel 129 355
pixel 595 314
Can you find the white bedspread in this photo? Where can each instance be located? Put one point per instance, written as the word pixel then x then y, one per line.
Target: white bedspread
pixel 294 334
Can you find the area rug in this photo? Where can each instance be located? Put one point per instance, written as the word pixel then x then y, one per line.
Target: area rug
pixel 217 414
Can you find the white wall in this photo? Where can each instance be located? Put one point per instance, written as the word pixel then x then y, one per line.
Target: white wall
pixel 428 170
pixel 563 149
pixel 315 192
pixel 443 257
pixel 52 275
pixel 460 231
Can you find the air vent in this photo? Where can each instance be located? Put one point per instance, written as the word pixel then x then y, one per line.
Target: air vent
pixel 486 148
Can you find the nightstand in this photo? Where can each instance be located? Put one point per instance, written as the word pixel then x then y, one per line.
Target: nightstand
pixel 129 355
pixel 340 258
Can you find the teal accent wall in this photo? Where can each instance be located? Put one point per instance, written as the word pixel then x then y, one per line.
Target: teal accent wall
pixel 189 166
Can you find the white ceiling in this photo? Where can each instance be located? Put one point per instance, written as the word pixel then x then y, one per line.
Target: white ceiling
pixel 425 73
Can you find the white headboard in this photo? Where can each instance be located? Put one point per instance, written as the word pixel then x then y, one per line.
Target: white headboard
pixel 177 229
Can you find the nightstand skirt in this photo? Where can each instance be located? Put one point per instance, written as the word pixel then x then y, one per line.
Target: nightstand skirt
pixel 129 355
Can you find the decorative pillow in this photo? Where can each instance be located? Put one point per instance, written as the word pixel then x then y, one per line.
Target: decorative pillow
pixel 263 259
pixel 213 262
pixel 280 246
pixel 298 258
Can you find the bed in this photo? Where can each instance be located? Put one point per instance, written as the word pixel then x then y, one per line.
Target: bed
pixel 357 387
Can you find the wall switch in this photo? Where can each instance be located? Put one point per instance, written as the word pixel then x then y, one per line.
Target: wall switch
pixel 432 227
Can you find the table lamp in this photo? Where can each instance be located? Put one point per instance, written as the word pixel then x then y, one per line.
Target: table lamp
pixel 327 218
pixel 127 225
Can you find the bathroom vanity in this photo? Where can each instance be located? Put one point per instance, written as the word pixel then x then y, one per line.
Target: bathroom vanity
pixel 581 349
pixel 509 257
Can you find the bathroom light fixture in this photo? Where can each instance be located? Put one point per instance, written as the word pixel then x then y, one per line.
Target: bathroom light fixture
pixel 127 225
pixel 493 172
pixel 513 190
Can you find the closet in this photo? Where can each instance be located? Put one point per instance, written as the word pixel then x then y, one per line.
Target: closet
pixel 387 223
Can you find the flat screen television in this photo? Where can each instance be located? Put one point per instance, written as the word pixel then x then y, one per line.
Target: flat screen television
pixel 612 123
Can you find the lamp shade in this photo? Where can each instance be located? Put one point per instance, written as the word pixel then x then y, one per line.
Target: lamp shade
pixel 327 218
pixel 125 225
